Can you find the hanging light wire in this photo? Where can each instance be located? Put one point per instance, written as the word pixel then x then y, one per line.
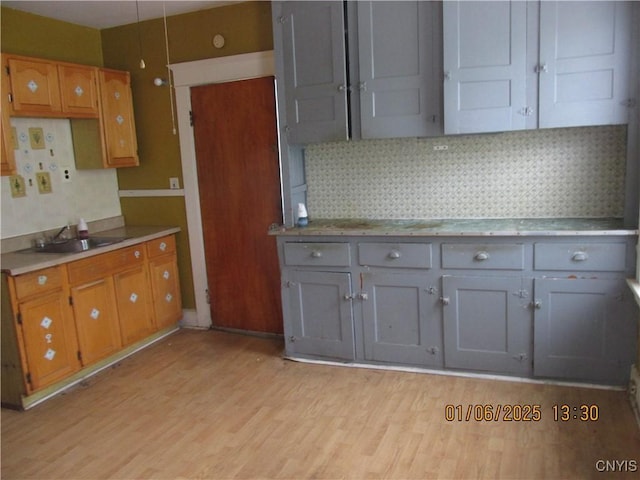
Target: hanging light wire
pixel 166 43
pixel 142 64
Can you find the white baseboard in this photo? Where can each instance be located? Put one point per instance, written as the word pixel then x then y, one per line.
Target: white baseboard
pixel 190 320
pixel 634 391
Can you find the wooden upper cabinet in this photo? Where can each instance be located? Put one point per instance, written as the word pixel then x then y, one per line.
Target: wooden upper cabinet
pixel 79 90
pixel 35 89
pixel 7 159
pixel 117 119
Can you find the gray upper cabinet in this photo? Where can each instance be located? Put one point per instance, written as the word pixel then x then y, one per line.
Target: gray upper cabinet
pixel 399 45
pixel 384 81
pixel 584 63
pixel 516 65
pixel 315 70
pixel 484 66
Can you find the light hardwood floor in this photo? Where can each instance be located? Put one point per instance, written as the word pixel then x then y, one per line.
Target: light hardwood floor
pixel 206 404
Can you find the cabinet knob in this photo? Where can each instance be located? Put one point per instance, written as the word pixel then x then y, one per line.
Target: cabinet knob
pixel 537 304
pixel 542 68
pixel 445 300
pixel 136 254
pixel 481 256
pixel 579 256
pixel 42 279
pixel 393 254
pixel 163 246
pixel 316 254
pixel 363 296
pixel 342 87
pixel 349 296
pixel 362 86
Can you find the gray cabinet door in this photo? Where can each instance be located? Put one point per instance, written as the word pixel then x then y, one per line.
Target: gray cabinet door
pixel 584 330
pixel 401 319
pixel 319 319
pixel 399 62
pixel 584 63
pixel 314 71
pixel 484 66
pixel 487 324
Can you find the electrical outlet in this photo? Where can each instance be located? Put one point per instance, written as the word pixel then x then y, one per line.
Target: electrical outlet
pixel 65 174
pixel 174 183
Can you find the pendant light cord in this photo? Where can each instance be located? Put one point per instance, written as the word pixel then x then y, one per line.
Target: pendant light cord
pixel 142 64
pixel 166 43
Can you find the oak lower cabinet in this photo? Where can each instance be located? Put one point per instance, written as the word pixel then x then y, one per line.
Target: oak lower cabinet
pixel 117 283
pixel 487 323
pixel 401 319
pixel 320 314
pixel 65 322
pixel 44 326
pixel 165 285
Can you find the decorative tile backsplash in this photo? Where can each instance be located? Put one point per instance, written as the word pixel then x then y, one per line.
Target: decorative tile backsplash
pixel 569 172
pixel 44 197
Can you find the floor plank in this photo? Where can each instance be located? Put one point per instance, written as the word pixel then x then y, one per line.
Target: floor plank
pixel 216 405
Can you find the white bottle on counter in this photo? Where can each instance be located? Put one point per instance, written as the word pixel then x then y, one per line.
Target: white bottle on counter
pixel 83 229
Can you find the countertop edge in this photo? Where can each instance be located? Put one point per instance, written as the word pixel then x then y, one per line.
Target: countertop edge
pixel 508 233
pixel 19 263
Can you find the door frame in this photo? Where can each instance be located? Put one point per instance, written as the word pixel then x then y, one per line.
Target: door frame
pixel 185 76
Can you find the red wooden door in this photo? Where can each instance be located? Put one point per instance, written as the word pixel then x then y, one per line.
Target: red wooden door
pixel 238 177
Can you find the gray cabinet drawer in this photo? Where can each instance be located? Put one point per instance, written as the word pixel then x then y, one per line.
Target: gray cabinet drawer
pixel 401 255
pixel 602 257
pixel 320 254
pixel 483 256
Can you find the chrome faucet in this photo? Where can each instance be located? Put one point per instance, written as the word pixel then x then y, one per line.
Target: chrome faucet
pixel 57 235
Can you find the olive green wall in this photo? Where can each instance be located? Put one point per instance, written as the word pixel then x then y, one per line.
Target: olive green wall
pixel 32 35
pixel 246 28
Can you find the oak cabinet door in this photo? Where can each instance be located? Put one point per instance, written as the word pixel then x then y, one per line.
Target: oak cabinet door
pixel 96 319
pixel 50 343
pixel 34 86
pixel 133 303
pixel 79 90
pixel 165 286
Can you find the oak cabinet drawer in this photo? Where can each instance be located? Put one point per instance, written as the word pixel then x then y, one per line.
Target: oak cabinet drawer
pixel 317 254
pixel 483 256
pixel 161 246
pixel 38 282
pixel 599 257
pixel 401 255
pixel 105 264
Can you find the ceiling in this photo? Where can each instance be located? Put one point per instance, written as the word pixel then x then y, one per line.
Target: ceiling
pixel 105 14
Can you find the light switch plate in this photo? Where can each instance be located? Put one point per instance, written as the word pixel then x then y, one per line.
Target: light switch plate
pixel 43 179
pixel 18 188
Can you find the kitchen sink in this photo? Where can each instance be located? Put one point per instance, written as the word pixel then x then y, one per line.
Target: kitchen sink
pixel 76 245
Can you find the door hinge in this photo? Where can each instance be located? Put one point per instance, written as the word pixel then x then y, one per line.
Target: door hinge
pixel 28 377
pixel 10 97
pixel 70 300
pixel 191 118
pixel 521 357
pixel 207 296
pixel 79 356
pixel 19 318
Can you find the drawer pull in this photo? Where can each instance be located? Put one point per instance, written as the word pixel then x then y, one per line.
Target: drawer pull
pixel 163 246
pixel 481 256
pixel 42 279
pixel 316 254
pixel 136 254
pixel 393 254
pixel 579 256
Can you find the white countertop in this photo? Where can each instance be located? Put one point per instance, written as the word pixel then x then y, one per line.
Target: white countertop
pixel 25 261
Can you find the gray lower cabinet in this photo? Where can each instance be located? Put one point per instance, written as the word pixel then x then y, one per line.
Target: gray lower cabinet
pixel 487 323
pixel 401 319
pixel 556 308
pixel 320 317
pixel 582 329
